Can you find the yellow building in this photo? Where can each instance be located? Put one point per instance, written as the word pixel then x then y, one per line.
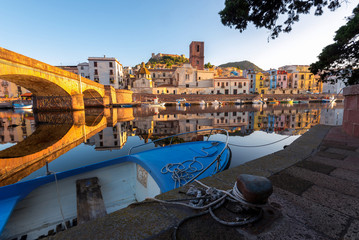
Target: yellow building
pixel 262 82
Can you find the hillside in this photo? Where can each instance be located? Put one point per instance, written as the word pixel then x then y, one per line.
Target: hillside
pixel 242 65
pixel 168 60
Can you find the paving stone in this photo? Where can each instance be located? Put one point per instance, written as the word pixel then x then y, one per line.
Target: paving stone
pixel 315 166
pixel 343 203
pixel 290 183
pixel 323 180
pixel 331 155
pixel 341 151
pixel 320 218
pixel 337 144
pixel 353 231
pixel 345 174
pixel 288 228
pixel 353 166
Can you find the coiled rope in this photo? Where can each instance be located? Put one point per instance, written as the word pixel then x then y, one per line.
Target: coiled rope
pixel 211 199
pixel 185 171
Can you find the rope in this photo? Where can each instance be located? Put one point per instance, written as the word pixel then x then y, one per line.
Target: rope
pixel 59 199
pixel 297 130
pixel 181 174
pixel 212 199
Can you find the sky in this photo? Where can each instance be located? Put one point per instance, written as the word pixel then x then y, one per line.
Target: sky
pixel 68 32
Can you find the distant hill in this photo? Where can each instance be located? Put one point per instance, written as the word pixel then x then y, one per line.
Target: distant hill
pixel 243 65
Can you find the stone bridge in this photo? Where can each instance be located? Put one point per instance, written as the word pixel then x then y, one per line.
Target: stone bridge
pixel 53 139
pixel 54 88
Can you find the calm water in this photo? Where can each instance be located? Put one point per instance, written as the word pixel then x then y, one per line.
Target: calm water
pixel 70 140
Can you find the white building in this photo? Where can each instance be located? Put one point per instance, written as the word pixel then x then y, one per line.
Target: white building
pixel 186 76
pixel 107 71
pixel 83 69
pixel 231 85
pixel 334 88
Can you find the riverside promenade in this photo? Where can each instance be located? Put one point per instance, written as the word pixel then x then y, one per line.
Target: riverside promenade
pixel 315 196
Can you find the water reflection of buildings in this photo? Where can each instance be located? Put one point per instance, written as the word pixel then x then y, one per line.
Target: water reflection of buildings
pixel 331 116
pixel 15 127
pixel 287 121
pixel 111 137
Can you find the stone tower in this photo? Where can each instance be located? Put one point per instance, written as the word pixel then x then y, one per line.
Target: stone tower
pixel 196 55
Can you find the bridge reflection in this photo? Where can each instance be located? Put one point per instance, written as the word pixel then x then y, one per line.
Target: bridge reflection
pixel 55 134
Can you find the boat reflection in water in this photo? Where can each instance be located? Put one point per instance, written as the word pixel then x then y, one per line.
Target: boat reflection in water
pixel 76 140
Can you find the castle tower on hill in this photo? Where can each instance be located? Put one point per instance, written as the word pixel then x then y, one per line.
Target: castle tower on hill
pixel 196 55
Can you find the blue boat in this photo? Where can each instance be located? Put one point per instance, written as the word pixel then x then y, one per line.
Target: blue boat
pixel 36 206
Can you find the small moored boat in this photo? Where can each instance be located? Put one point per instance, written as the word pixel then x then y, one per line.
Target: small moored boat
pixel 34 207
pixel 22 105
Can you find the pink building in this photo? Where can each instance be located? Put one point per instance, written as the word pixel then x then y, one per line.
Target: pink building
pixel 282 79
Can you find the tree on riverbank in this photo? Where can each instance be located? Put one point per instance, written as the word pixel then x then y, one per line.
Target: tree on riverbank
pixel 265 14
pixel 338 61
pixel 341 59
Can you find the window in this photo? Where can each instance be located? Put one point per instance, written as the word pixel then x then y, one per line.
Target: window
pixel 218 84
pixel 96 73
pixel 154 75
pixel 110 64
pixel 302 76
pixel 187 85
pixel 82 67
pixel 197 48
pixel 111 80
pixel 95 64
pixel 226 84
pixel 235 84
pixel 244 91
pixel 197 62
pixel 244 84
pixel 164 74
pixel 111 72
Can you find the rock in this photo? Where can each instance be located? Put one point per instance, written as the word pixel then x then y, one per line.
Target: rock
pixel 255 189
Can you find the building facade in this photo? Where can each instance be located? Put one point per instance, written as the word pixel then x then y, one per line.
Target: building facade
pixel 107 71
pixel 196 55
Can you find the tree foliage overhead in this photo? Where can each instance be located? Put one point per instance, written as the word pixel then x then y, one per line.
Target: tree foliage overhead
pixel 265 13
pixel 340 60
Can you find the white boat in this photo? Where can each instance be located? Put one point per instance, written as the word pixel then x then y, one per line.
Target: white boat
pixel 155 103
pixel 239 102
pixel 257 101
pixel 202 103
pixel 216 103
pixel 32 208
pixel 331 99
pixel 22 105
pixel 180 101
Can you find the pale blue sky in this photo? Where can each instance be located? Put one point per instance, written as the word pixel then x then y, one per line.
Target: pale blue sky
pixel 68 32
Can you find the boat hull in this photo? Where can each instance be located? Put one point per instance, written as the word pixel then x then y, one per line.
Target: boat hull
pixel 34 203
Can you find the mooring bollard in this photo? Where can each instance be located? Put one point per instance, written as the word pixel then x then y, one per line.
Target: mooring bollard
pixel 255 189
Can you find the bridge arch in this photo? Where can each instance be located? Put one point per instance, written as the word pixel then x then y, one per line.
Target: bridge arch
pixel 52 87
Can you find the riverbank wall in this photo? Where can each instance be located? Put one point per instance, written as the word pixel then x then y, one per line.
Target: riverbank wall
pixel 315 196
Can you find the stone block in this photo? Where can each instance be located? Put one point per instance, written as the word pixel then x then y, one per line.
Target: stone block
pixel 315 216
pixel 325 181
pixel 290 183
pixel 345 174
pixel 356 130
pixel 341 202
pixel 353 116
pixel 350 103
